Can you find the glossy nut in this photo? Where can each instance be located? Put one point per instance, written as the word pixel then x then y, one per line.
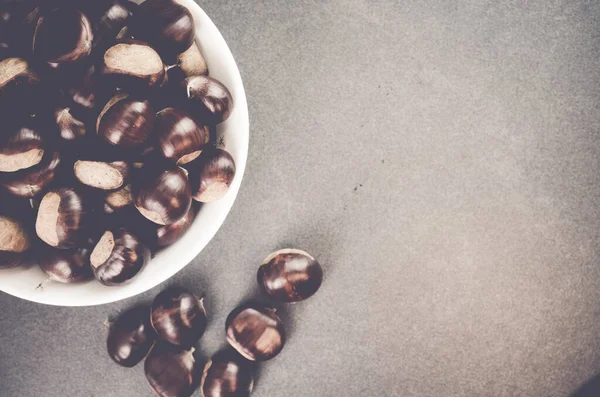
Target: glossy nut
pixel 290 275
pixel 227 374
pixel 211 175
pixel 126 121
pixel 118 257
pixel 181 138
pixel 21 147
pixel 207 98
pixel 131 337
pixel 171 371
pixel 32 181
pixel 66 266
pixel 255 331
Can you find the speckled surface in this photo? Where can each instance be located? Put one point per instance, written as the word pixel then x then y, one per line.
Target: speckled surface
pixel 440 158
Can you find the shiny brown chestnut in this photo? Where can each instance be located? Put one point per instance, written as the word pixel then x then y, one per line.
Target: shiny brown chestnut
pixel 179 317
pixel 63 35
pixel 181 138
pixel 168 234
pixel 18 83
pixel 100 174
pixel 171 371
pixel 164 24
pixel 15 243
pixel 21 147
pixel 118 200
pixel 227 374
pixel 161 193
pixel 207 98
pixel 64 218
pixel 126 121
pixel 131 337
pixel 290 275
pixel 32 181
pixel 132 65
pixel 108 19
pixel 255 331
pixel 118 256
pixel 65 266
pixel 84 90
pixel 70 127
pixel 211 175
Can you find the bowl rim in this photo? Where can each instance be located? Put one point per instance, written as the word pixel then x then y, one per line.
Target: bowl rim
pixel 182 257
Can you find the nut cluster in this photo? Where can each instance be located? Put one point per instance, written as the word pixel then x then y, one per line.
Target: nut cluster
pixel 109 140
pixel 166 333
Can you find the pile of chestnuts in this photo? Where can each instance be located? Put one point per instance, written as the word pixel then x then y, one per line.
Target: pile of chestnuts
pixel 165 333
pixel 108 144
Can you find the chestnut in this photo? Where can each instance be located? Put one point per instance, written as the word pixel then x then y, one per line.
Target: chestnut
pixel 18 83
pixel 63 35
pixel 84 91
pixel 32 181
pixel 118 257
pixel 290 275
pixel 132 65
pixel 64 218
pixel 189 63
pixel 207 98
pixel 255 331
pixel 101 175
pixel 179 317
pixel 70 127
pixel 131 337
pixel 164 24
pixel 126 121
pixel 108 19
pixel 117 200
pixel 227 374
pixel 14 243
pixel 65 266
pixel 168 234
pixel 21 147
pixel 211 175
pixel 172 371
pixel 161 193
pixel 181 138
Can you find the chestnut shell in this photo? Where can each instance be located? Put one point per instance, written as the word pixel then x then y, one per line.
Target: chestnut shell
pixel 21 147
pixel 255 331
pixel 126 121
pixel 181 138
pixel 118 257
pixel 207 98
pixel 161 193
pixel 211 175
pixel 64 218
pixel 164 24
pixel 290 275
pixel 179 317
pixel 172 371
pixel 65 266
pixel 31 182
pixel 227 374
pixel 131 337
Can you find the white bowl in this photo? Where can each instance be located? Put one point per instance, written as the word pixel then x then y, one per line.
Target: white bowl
pixel 22 283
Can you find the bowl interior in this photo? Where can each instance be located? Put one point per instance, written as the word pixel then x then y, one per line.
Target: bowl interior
pixel 22 283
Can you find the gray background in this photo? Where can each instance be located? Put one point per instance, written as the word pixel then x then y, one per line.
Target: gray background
pixel 440 158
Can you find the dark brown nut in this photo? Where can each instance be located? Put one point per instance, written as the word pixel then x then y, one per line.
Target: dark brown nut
pixel 207 98
pixel 132 65
pixel 63 35
pixel 211 175
pixel 131 337
pixel 255 331
pixel 169 234
pixel 32 181
pixel 64 218
pixel 21 147
pixel 118 257
pixel 228 374
pixel 126 121
pixel 181 138
pixel 166 25
pixel 290 275
pixel 161 193
pixel 66 266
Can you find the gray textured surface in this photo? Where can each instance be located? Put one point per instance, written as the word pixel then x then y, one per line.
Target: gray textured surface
pixel 440 158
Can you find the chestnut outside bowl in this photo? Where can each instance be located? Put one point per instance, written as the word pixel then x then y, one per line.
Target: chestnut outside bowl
pixel 22 283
